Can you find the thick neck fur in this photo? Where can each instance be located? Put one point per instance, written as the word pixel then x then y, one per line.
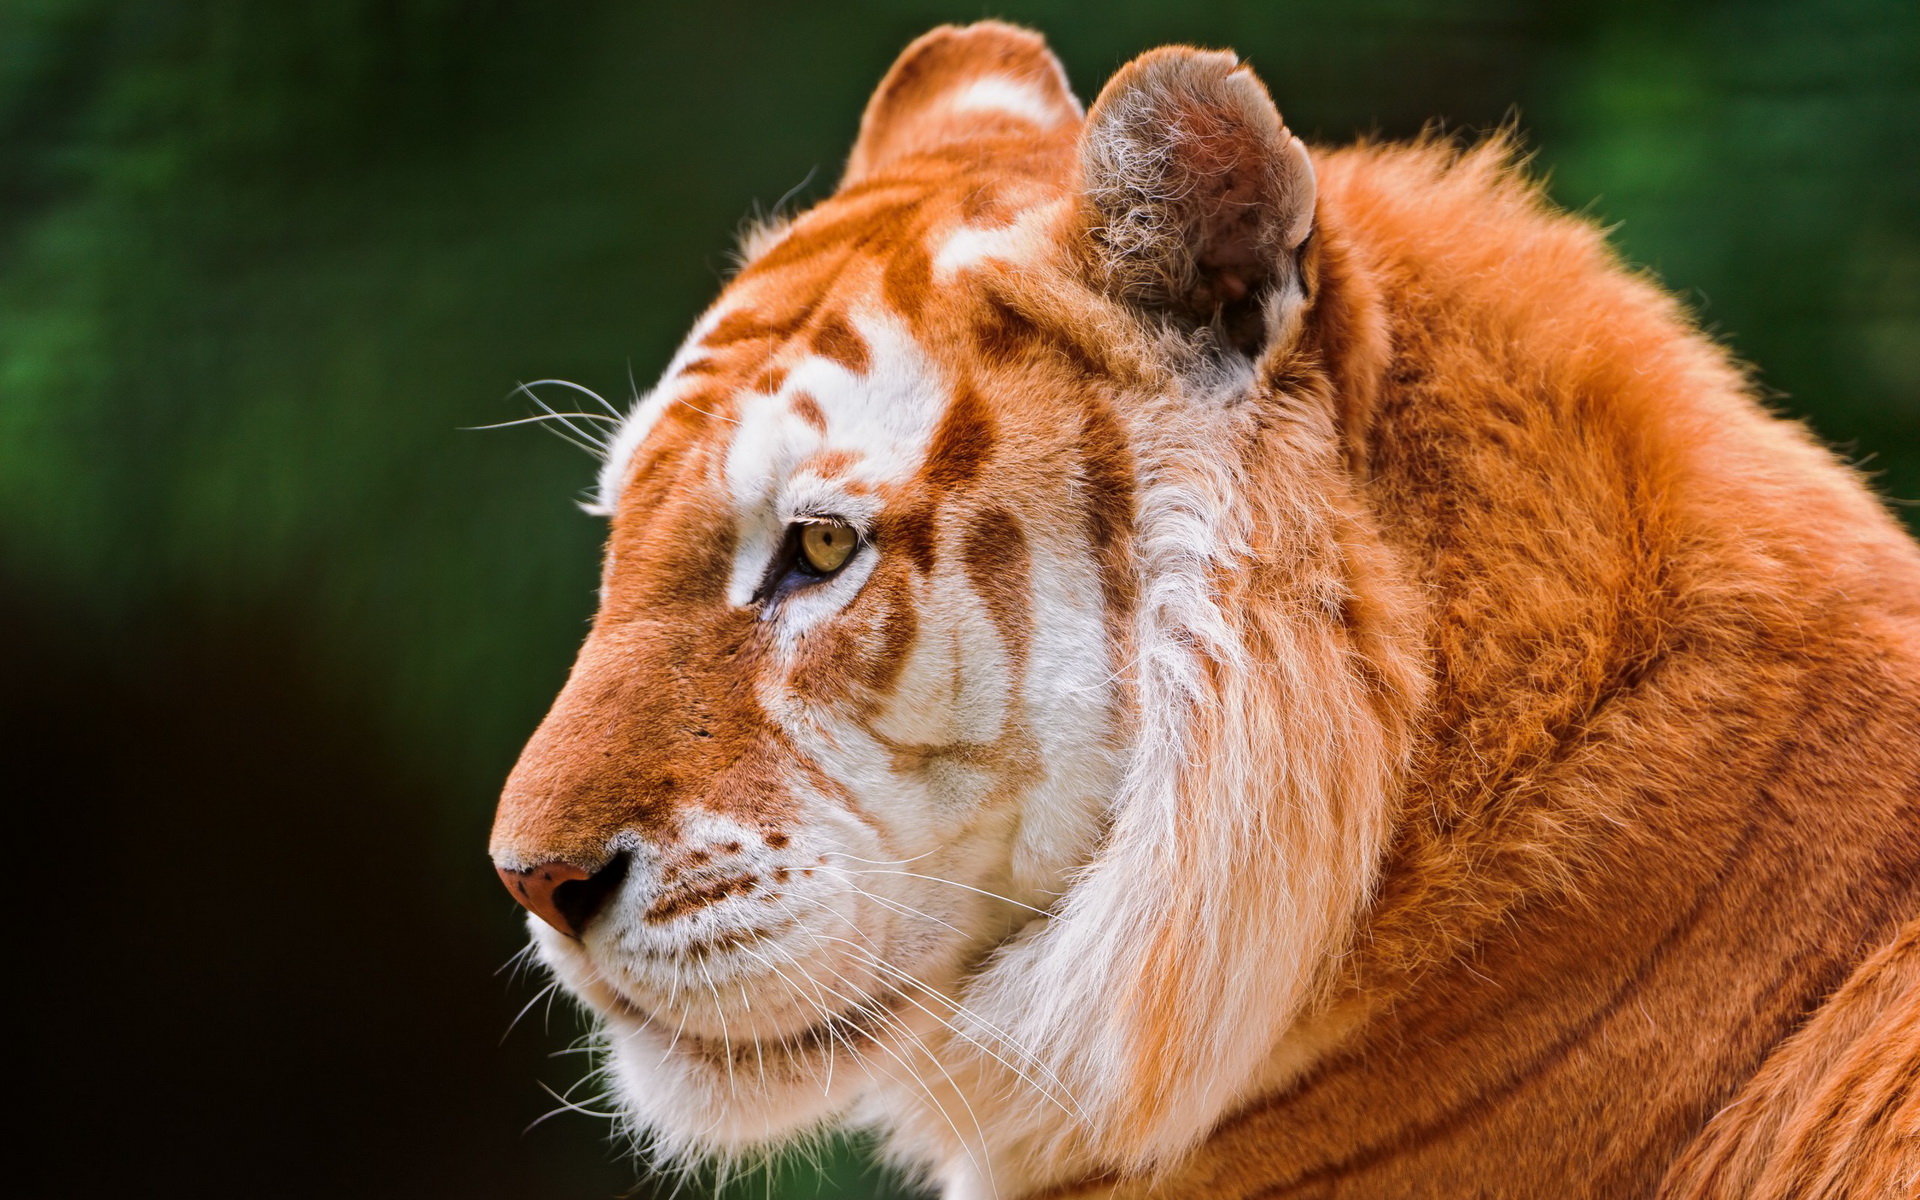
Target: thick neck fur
pixel 1665 636
pixel 1273 679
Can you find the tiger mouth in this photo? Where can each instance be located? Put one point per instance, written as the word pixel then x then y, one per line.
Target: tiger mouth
pixel 853 1029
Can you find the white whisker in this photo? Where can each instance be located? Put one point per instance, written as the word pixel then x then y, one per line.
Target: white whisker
pixel 595 446
pixel 545 993
pixel 726 1038
pixel 965 886
pixel 546 416
pixel 703 412
pixel 889 1020
pixel 872 958
pixel 884 862
pixel 567 1105
pixel 584 391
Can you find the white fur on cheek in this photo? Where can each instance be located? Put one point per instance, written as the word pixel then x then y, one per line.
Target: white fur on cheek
pixel 658 993
pixel 953 686
pixel 1070 688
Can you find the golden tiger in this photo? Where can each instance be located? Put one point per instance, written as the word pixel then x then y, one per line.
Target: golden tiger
pixel 1138 658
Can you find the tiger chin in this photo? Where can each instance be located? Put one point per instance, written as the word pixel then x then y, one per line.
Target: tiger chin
pixel 1136 657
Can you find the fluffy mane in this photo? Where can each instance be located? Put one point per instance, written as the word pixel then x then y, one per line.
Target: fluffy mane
pixel 1416 663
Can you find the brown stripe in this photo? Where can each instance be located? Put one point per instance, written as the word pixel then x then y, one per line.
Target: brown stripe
pixel 836 340
pixel 911 532
pixel 742 326
pixel 829 463
pixel 860 657
pixel 1006 335
pixel 808 409
pixel 962 444
pixel 908 281
pixel 1107 472
pixel 1000 567
pixel 685 900
pixel 855 231
pixel 1482 1104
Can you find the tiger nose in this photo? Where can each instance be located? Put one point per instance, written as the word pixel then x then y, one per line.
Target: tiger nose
pixel 563 894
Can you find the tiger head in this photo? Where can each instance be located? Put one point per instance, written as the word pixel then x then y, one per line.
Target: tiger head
pixel 987 724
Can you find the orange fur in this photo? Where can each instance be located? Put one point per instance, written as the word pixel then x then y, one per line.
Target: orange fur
pixel 1519 788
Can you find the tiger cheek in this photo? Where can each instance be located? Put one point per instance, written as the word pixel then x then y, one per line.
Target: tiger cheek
pixel 854 662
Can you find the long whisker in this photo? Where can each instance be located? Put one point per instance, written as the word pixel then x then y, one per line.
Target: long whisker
pixel 567 1105
pixel 596 445
pixel 1072 1109
pixel 584 391
pixel 835 1037
pixel 703 412
pixel 546 1014
pixel 633 387
pixel 872 956
pixel 720 1012
pixel 758 1057
pixel 899 906
pixel 883 862
pixel 675 1040
pixel 880 1014
pixel 893 1023
pixel 1070 1106
pixel 793 191
pixel 819 1006
pixel 906 1034
pixel 543 994
pixel 584 1080
pixel 548 416
pixel 966 886
pixel 519 959
pixel 579 443
pixel 909 1036
pixel 592 444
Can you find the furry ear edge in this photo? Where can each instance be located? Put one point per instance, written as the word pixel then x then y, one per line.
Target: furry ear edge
pixel 1196 199
pixel 958 82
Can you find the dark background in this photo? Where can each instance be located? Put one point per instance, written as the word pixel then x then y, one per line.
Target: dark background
pixel 274 628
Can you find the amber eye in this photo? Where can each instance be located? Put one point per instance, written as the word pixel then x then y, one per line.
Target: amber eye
pixel 826 545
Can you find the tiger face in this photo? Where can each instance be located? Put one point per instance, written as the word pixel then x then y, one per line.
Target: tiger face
pixel 922 551
pixel 845 716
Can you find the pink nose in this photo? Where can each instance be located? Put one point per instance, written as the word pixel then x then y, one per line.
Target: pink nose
pixel 563 895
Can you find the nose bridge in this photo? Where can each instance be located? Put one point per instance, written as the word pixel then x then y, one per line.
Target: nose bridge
pixel 661 709
pixel 607 759
pixel 656 715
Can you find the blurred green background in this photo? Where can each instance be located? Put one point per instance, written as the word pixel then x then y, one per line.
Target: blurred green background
pixel 275 628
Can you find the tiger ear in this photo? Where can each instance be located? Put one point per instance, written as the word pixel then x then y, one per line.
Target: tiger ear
pixel 957 83
pixel 1196 200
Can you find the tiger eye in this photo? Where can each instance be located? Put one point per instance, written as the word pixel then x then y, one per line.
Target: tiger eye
pixel 826 545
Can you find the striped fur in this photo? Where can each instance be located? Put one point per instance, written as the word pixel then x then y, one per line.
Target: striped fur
pixel 1341 691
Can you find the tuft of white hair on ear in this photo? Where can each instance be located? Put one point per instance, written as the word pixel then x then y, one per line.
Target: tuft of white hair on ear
pixel 1197 200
